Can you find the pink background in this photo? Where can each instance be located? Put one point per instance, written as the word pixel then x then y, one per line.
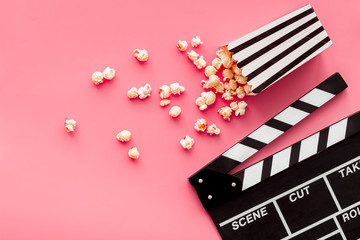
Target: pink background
pixel 55 185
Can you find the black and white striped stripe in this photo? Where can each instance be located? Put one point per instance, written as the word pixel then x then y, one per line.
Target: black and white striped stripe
pixel 299 151
pixel 277 125
pixel 276 49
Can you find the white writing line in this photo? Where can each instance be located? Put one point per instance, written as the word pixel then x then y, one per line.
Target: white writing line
pixel 329 235
pixel 286 193
pixel 282 218
pixel 332 193
pixel 332 216
pixel 340 229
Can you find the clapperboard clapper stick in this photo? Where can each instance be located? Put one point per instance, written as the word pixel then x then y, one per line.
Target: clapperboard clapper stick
pixel 271 52
pixel 216 188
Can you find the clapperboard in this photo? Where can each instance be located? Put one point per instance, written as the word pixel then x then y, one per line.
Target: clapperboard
pixel 309 190
pixel 271 52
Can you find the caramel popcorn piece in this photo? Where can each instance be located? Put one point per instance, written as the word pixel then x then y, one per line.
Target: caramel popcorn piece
pixel 176 89
pixel 109 73
pixel 236 69
pixel 134 153
pixel 193 56
pixel 212 82
pixel 227 96
pixel 141 55
pixel 187 142
pixel 182 45
pixel 227 74
pixel 145 91
pixel 175 111
pixel 195 42
pixel 212 129
pixel 97 78
pixel 200 125
pixel 217 63
pixel 164 102
pixel 247 89
pixel 233 84
pixel 165 91
pixel 210 70
pixel 225 112
pixel 240 92
pixel 124 136
pixel 70 125
pixel 241 79
pixel 219 88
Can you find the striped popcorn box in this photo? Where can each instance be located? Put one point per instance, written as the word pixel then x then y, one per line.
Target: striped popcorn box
pixel 212 181
pixel 271 52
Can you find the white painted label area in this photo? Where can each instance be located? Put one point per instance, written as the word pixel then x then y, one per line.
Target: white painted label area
pixel 249 218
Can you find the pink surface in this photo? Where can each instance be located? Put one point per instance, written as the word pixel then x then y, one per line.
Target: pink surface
pixel 55 185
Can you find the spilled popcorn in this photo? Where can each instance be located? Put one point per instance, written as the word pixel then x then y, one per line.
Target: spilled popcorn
pixel 182 45
pixel 141 55
pixel 200 125
pixel 70 125
pixel 195 42
pixel 124 136
pixel 134 153
pixel 212 129
pixel 175 111
pixel 187 142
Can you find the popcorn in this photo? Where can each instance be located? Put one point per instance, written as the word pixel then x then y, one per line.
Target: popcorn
pixel 225 57
pixel 209 97
pixel 227 96
pixel 233 85
pixel 212 129
pixel 145 91
pixel 132 93
pixel 200 63
pixel 212 82
pixel 97 78
pixel 236 70
pixel 70 125
pixel 195 42
pixel 193 56
pixel 200 101
pixel 109 73
pixel 200 125
pixel 240 92
pixel 239 108
pixel 219 88
pixel 225 112
pixel 124 136
pixel 141 55
pixel 210 70
pixel 226 60
pixel 227 74
pixel 175 88
pixel 241 79
pixel 247 89
pixel 216 63
pixel 134 153
pixel 187 142
pixel 175 111
pixel 165 91
pixel 164 102
pixel 182 45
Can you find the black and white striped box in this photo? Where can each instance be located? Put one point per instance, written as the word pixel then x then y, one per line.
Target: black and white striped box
pixel 271 52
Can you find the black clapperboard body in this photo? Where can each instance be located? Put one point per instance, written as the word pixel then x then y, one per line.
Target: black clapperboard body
pixel 309 190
